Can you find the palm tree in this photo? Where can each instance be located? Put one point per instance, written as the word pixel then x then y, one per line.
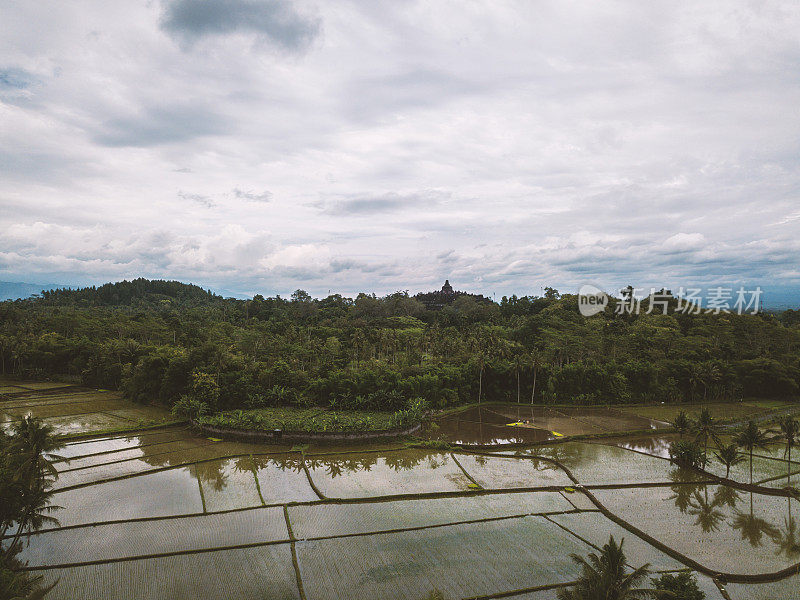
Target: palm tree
pixel 534 358
pixel 606 576
pixel 31 448
pixel 752 438
pixel 37 445
pixel 682 423
pixel 789 432
pixel 705 427
pixel 729 456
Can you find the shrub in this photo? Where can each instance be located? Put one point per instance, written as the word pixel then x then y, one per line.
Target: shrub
pixel 683 586
pixel 685 453
pixel 189 408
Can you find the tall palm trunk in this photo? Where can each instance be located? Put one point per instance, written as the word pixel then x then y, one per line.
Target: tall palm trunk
pixel 480 382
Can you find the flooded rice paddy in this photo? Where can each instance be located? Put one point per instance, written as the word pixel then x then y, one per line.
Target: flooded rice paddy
pixel 169 514
pixel 72 409
pixel 521 423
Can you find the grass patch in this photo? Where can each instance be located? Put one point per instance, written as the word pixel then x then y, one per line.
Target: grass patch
pixel 289 419
pixel 724 411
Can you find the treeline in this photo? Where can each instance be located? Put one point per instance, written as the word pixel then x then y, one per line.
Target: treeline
pixel 149 338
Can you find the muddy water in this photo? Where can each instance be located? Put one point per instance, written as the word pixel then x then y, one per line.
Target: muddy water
pixel 519 423
pixel 481 426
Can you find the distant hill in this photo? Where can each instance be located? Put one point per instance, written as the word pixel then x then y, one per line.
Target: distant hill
pixel 129 293
pixel 13 290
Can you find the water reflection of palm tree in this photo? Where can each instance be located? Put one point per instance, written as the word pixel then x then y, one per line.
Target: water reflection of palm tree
pixel 709 517
pixel 753 528
pixel 726 496
pixel 682 490
pixel 403 460
pixel 213 472
pixel 790 432
pixel 788 539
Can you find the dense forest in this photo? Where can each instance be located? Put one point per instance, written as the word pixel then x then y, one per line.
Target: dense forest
pixel 151 339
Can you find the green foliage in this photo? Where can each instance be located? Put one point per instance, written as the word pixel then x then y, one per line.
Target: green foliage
pixel 752 438
pixel 409 416
pixel 189 408
pixel 26 479
pixel 682 586
pixel 204 390
pixel 151 339
pixel 606 576
pixel 687 454
pixel 729 456
pixel 682 423
pixel 300 420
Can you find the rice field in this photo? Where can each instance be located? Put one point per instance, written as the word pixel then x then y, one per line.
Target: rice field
pixel 364 475
pixel 168 514
pixel 321 520
pixel 599 464
pixel 493 472
pixel 71 409
pixel 778 590
pixel 460 560
pixel 713 524
pixel 719 410
pixel 263 572
pixel 522 423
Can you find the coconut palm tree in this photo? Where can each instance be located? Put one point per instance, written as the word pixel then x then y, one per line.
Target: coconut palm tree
pixel 729 456
pixel 37 446
pixel 682 423
pixel 752 438
pixel 789 433
pixel 607 577
pixel 29 454
pixel 705 427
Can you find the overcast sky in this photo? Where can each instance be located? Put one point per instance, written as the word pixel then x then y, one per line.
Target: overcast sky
pixel 260 146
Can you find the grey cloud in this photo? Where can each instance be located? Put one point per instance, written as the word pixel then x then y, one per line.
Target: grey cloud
pixel 274 20
pixel 264 196
pixel 154 126
pixel 379 203
pixel 199 199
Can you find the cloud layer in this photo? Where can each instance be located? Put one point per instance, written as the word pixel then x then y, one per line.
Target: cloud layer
pixel 262 146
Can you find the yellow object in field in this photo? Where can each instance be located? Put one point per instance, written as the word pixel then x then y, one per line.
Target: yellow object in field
pixel 569 490
pixel 555 433
pixel 473 486
pixel 517 424
pixel 215 439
